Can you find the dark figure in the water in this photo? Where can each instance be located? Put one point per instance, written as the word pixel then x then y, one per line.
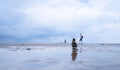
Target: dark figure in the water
pixel 81 37
pixel 65 41
pixel 74 44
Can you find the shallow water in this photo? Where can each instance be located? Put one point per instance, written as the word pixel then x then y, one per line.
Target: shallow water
pixel 87 57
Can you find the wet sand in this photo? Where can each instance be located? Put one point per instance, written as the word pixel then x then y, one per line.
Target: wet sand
pixel 60 57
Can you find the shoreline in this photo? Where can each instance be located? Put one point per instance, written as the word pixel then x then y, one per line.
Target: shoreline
pixel 57 44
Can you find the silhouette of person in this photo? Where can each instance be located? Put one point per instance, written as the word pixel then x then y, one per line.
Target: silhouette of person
pixel 74 44
pixel 81 37
pixel 64 41
pixel 74 54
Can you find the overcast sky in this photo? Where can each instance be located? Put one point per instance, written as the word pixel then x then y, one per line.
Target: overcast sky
pixel 53 21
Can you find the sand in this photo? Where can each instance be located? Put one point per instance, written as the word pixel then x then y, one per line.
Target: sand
pixel 60 57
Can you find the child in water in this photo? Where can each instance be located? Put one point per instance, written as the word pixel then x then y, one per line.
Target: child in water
pixel 81 37
pixel 74 44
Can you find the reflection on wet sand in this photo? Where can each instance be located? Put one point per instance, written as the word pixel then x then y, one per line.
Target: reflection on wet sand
pixel 93 57
pixel 74 54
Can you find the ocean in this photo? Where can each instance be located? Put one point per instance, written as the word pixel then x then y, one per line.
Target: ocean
pixel 59 57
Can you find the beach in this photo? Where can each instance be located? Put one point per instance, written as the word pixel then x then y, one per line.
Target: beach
pixel 59 57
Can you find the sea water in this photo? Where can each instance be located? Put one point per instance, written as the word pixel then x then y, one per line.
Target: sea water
pixel 87 57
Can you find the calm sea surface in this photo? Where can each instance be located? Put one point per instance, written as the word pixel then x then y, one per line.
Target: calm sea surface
pixel 87 57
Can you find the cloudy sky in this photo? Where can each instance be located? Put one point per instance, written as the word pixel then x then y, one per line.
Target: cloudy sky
pixel 53 21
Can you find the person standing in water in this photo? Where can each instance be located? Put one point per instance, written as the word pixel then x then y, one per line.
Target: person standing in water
pixel 81 41
pixel 74 44
pixel 74 49
pixel 65 41
pixel 81 37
